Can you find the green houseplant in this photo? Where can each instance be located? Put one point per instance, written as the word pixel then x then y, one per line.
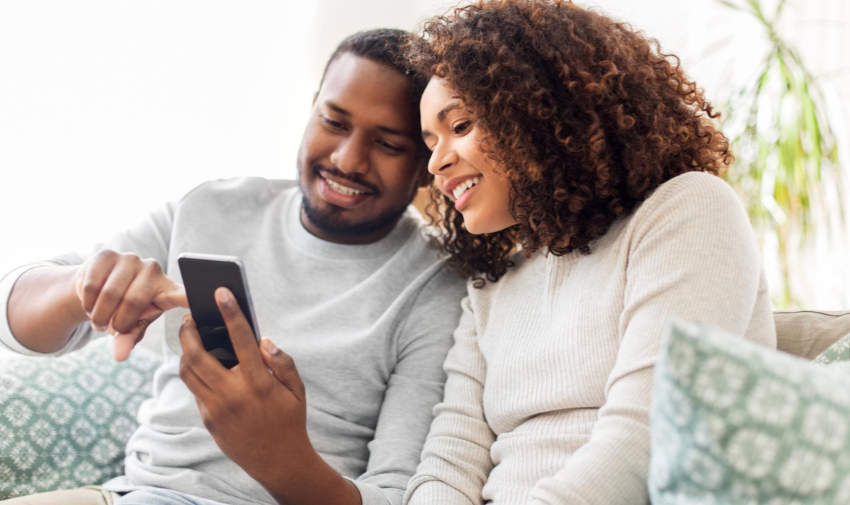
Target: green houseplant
pixel 786 168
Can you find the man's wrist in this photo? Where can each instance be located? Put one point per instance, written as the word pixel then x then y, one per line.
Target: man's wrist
pixel 43 308
pixel 311 480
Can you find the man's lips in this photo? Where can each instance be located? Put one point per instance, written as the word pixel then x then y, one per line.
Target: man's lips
pixel 339 191
pixel 339 199
pixel 343 180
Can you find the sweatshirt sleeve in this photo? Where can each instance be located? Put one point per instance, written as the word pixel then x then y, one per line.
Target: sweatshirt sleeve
pixel 456 458
pixel 692 255
pixel 148 239
pixel 415 386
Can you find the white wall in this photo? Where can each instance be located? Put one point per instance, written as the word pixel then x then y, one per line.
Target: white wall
pixel 109 108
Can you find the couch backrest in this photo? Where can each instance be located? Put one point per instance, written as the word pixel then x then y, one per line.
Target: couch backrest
pixel 807 333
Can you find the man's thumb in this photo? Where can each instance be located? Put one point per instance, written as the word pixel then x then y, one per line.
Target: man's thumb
pixel 283 367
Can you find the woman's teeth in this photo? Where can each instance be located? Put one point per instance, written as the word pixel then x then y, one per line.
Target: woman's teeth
pixel 345 190
pixel 463 186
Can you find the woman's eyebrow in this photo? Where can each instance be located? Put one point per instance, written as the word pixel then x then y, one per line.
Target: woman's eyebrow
pixel 448 108
pixel 441 116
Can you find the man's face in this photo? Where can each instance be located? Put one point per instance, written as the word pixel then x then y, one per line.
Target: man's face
pixel 357 161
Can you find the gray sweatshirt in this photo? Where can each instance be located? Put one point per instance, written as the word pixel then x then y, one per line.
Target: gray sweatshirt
pixel 368 326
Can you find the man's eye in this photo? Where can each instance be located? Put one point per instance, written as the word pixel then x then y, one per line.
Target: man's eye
pixel 391 147
pixel 336 125
pixel 460 127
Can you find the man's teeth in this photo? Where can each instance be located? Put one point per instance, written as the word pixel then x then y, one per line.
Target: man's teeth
pixel 345 190
pixel 463 186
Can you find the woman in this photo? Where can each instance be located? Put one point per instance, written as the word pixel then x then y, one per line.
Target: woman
pixel 568 137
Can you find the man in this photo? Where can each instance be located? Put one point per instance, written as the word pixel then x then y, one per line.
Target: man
pixel 343 280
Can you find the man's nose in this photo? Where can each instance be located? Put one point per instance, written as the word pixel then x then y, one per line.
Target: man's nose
pixel 352 154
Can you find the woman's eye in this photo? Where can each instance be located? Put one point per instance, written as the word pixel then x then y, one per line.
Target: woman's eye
pixel 460 127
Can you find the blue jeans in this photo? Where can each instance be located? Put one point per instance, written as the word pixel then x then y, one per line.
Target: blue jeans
pixel 158 496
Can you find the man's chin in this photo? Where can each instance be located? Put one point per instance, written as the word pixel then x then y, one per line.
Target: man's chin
pixel 336 221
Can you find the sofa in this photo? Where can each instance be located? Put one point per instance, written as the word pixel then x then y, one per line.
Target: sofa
pixel 64 422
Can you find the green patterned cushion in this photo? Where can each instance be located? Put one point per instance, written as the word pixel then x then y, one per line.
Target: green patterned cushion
pixel 737 423
pixel 836 353
pixel 64 422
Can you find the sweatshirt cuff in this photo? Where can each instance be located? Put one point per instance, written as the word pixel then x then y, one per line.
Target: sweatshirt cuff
pixel 373 495
pixel 7 283
pixel 434 491
pixel 7 338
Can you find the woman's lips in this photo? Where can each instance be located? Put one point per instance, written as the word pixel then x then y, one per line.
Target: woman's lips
pixel 463 201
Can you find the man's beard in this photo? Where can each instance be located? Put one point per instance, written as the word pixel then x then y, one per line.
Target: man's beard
pixel 332 222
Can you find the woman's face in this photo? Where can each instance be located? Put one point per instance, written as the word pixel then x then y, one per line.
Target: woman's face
pixel 462 171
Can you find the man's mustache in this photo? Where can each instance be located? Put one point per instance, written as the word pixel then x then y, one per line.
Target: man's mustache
pixel 355 178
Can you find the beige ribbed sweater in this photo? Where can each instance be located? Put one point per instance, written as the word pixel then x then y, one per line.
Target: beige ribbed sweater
pixel 550 378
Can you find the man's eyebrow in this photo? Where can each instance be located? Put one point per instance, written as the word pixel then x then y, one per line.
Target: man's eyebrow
pixel 337 108
pixel 386 129
pixel 394 131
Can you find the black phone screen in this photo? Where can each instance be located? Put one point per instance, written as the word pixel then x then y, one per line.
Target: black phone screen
pixel 202 275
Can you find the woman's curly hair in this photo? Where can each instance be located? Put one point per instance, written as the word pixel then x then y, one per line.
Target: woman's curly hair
pixel 585 116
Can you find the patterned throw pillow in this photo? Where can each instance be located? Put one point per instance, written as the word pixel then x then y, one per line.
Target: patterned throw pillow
pixel 737 423
pixel 836 353
pixel 64 422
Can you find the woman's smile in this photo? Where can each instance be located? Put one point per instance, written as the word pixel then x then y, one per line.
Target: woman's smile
pixel 462 170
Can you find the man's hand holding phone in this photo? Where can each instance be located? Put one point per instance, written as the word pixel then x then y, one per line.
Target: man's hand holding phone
pixel 257 418
pixel 123 294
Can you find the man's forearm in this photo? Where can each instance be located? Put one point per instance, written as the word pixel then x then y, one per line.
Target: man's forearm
pixel 44 309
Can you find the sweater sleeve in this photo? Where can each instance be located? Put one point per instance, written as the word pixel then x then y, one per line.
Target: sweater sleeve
pixel 692 255
pixel 456 458
pixel 148 239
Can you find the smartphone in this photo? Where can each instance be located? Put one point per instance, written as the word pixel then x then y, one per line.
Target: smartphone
pixel 202 275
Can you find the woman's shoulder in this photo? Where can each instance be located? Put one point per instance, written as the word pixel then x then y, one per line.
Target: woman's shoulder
pixel 691 192
pixel 691 185
pixel 696 207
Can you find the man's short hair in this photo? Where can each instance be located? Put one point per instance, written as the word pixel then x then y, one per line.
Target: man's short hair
pixel 384 46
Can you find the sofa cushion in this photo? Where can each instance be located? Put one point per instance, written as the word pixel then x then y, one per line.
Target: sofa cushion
pixel 64 422
pixel 808 333
pixel 737 423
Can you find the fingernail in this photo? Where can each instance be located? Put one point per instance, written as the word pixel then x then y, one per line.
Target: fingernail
pixel 269 347
pixel 223 296
pixel 185 318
